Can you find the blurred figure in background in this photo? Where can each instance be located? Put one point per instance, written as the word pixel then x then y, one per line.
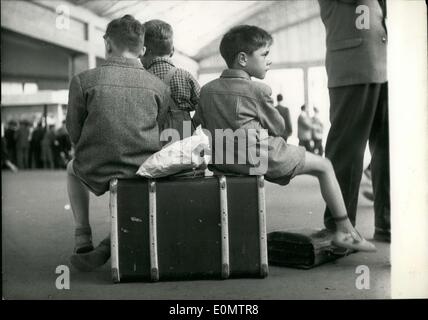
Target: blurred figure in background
pixel 47 144
pixel 64 145
pixel 22 137
pixel 285 113
pixel 317 133
pixel 304 129
pixel 9 136
pixel 36 146
pixel 5 160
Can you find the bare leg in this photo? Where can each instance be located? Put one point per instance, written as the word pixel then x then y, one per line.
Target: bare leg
pixel 330 190
pixel 79 200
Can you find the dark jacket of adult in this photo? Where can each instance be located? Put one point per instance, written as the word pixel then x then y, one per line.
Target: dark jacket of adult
pixel 285 113
pixel 112 120
pixel 354 55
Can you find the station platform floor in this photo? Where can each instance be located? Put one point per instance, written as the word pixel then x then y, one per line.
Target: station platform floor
pixel 37 236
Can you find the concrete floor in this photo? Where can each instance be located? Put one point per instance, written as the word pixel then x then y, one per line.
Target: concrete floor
pixel 37 230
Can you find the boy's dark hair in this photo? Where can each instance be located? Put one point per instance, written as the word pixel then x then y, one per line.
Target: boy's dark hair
pixel 126 33
pixel 243 38
pixel 279 97
pixel 159 37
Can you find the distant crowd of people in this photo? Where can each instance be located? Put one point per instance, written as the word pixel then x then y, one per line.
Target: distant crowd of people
pixel 39 147
pixel 309 129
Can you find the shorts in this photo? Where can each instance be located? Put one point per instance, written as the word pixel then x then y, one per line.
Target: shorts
pixel 285 161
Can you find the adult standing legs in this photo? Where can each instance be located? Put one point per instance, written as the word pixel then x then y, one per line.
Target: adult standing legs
pixel 379 148
pixel 352 112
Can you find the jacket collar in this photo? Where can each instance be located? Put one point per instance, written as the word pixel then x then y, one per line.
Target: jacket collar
pixel 123 62
pixel 235 73
pixel 160 60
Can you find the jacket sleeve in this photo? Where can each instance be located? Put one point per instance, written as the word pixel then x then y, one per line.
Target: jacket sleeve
pixel 76 112
pixel 198 117
pixel 269 117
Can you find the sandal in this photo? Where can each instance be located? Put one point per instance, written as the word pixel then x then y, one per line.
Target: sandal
pixel 352 240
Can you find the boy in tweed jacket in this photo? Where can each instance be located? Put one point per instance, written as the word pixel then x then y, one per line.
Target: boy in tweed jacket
pixel 113 118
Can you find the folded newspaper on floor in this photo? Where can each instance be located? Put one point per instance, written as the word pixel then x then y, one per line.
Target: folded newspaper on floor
pixel 190 153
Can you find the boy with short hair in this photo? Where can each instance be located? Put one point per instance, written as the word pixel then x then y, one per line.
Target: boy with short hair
pixel 157 60
pixel 235 102
pixel 113 120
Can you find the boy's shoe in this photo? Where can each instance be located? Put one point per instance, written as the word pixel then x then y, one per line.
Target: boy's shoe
pixel 83 239
pixel 91 260
pixel 352 241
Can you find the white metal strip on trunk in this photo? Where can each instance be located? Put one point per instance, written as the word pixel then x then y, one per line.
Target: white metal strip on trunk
pixel 262 227
pixel 152 232
pixel 114 231
pixel 224 228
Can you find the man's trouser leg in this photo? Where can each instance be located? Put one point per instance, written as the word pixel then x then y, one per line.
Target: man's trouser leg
pixel 379 148
pixel 352 114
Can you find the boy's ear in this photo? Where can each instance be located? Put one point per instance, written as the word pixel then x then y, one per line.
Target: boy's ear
pixel 172 52
pixel 107 44
pixel 143 51
pixel 242 59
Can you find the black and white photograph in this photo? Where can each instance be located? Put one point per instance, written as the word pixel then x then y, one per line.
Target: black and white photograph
pixel 214 150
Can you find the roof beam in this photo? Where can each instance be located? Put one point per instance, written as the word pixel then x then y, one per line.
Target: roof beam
pixel 293 13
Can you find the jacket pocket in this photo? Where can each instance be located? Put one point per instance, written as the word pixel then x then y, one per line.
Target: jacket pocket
pixel 345 44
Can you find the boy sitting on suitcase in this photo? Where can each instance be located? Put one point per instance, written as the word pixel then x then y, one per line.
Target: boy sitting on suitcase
pixel 236 102
pixel 113 119
pixel 183 86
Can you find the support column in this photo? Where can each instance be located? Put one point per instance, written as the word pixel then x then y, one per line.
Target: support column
pixel 59 115
pixel 92 58
pixel 306 86
pixel 71 71
pixel 45 115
